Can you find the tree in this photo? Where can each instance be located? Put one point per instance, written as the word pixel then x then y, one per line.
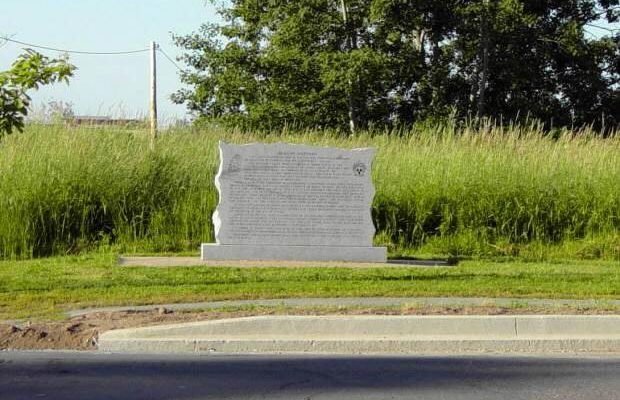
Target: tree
pixel 28 72
pixel 417 36
pixel 303 63
pixel 534 57
pixel 349 64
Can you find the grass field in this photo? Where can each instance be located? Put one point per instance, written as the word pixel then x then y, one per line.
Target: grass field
pixel 44 288
pixel 490 192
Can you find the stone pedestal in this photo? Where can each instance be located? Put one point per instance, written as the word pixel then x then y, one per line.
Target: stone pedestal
pixel 294 202
pixel 293 253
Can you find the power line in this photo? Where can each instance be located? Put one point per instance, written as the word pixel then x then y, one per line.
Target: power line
pixel 75 51
pixel 93 52
pixel 611 30
pixel 169 58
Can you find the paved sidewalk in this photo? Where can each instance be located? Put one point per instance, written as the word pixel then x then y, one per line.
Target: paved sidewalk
pixel 362 302
pixel 166 262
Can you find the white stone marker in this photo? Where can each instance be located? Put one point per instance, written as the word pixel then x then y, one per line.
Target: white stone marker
pixel 294 202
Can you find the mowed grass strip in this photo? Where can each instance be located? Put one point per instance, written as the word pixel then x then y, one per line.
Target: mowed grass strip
pixel 44 288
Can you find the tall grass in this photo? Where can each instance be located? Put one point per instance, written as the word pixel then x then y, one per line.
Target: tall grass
pixel 440 190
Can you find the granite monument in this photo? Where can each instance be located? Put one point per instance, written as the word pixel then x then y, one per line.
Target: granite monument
pixel 294 202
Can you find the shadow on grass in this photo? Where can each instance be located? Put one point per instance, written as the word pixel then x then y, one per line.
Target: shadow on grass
pixel 449 262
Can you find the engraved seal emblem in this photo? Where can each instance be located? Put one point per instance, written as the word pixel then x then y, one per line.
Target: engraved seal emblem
pixel 359 169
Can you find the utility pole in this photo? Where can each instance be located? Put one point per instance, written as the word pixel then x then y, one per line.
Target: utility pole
pixel 349 47
pixel 153 106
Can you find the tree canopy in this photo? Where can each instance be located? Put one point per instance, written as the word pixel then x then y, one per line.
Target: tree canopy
pixel 28 72
pixel 350 64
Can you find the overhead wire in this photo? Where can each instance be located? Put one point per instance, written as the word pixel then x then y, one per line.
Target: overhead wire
pixel 74 51
pixel 7 39
pixel 169 58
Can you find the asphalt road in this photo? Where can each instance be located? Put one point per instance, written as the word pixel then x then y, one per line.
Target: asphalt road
pixel 93 376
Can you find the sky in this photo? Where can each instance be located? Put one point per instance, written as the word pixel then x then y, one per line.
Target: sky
pixel 105 85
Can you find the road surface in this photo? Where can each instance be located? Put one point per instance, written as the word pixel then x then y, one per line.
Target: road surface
pixel 94 376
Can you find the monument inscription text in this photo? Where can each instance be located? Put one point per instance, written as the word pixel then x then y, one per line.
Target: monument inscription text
pixel 283 194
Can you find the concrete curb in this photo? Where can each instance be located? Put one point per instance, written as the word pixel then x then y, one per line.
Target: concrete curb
pixel 375 334
pixel 360 302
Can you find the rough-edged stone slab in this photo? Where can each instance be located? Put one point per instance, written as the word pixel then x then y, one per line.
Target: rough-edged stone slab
pixel 315 199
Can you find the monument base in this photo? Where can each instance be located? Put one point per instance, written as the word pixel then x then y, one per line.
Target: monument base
pixel 212 251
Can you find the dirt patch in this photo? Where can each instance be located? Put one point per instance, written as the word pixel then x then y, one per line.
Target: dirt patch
pixel 82 332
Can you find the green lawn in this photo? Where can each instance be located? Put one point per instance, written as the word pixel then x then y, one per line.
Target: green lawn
pixel 44 288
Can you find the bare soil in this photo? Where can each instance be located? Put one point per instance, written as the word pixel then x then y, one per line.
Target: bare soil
pixel 82 332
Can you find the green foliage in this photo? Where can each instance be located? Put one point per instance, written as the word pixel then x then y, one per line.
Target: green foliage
pixel 440 190
pixel 28 72
pixel 330 64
